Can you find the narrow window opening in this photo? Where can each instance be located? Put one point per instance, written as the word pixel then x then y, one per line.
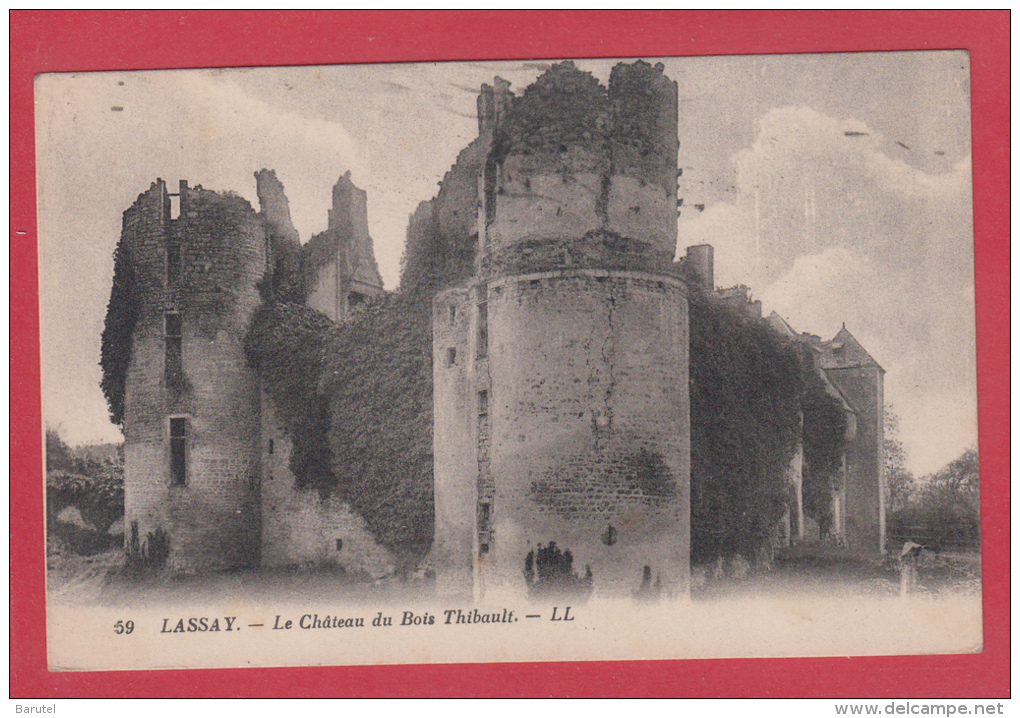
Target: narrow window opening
pixel 174 360
pixel 175 205
pixel 178 451
pixel 339 544
pixel 451 356
pixel 484 549
pixel 134 547
pixel 486 513
pixel 270 447
pixel 453 313
pixel 483 403
pixel 483 330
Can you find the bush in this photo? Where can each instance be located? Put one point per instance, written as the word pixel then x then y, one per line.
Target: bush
pixel 89 478
pixel 100 499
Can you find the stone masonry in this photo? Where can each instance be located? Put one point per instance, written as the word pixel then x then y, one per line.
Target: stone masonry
pixel 560 367
pixel 192 403
pixel 206 460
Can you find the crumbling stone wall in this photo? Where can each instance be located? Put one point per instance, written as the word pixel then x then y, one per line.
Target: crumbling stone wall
pixel 284 280
pixel 307 518
pixel 301 527
pixel 212 517
pixel 339 264
pixel 571 158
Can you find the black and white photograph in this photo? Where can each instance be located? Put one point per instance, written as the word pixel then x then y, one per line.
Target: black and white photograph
pixel 607 359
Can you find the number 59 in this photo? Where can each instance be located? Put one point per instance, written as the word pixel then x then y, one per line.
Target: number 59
pixel 123 627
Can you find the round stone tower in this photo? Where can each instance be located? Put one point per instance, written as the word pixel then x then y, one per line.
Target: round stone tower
pixel 191 403
pixel 562 436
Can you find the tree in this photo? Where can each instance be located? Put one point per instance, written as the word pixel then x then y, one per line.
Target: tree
pixel 900 485
pixel 945 509
pixel 951 500
pixel 58 453
pixel 959 477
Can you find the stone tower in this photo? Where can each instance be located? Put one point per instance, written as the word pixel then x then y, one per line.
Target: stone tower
pixel 561 367
pixel 191 410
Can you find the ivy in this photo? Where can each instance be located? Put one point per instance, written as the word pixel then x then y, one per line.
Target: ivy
pixel 378 383
pixel 432 259
pixel 285 345
pixel 745 388
pixel 122 313
pixel 580 116
pixel 825 425
pixel 286 280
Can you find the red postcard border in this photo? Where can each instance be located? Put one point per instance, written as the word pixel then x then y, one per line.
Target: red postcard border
pixel 48 41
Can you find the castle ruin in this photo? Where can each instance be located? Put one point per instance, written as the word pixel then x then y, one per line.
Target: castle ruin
pixel 560 344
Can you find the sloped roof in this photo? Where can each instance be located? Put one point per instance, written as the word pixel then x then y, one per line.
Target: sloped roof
pixel 843 351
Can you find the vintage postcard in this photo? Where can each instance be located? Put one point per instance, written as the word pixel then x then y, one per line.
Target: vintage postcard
pixel 509 361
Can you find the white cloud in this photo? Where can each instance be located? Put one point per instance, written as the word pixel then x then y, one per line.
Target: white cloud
pixel 827 228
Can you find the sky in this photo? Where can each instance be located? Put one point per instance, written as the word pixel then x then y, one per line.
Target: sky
pixel 837 187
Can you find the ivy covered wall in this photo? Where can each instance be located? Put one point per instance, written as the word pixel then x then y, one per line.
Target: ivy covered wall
pixel 745 400
pixel 285 344
pixel 356 397
pixel 377 380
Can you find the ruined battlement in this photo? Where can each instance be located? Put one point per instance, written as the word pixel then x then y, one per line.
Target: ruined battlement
pixel 339 263
pixel 644 137
pixel 570 158
pixel 194 246
pixel 275 207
